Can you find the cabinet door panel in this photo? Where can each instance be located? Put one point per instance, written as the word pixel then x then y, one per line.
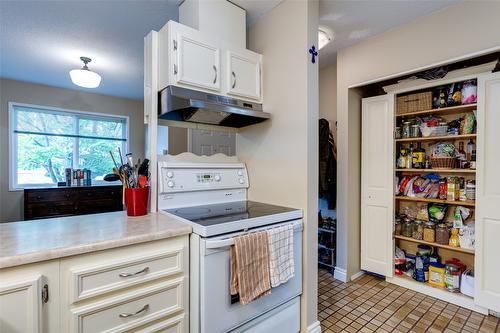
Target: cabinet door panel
pixel 487 270
pixel 244 75
pixel 377 148
pixel 21 306
pixel 198 63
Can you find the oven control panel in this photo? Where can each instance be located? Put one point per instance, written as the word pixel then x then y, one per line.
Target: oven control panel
pixel 175 178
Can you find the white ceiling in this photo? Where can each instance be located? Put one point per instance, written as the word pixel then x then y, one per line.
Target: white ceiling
pixel 352 21
pixel 41 41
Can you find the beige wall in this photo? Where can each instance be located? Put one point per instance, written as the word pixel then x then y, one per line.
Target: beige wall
pixel 282 154
pixel 11 203
pixel 328 95
pixel 417 45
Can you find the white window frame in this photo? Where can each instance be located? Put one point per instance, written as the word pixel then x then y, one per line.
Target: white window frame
pixel 13 185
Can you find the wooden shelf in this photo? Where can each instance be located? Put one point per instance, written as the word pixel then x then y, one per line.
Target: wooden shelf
pixel 436 292
pixel 472 171
pixel 439 138
pixel 456 203
pixel 448 110
pixel 457 249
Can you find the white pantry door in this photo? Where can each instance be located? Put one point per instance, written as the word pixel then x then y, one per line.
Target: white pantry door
pixel 377 193
pixel 487 270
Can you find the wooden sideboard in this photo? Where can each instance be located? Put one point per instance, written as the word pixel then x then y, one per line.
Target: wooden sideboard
pixel 67 201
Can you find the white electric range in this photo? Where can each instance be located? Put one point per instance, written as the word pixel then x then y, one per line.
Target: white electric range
pixel 210 193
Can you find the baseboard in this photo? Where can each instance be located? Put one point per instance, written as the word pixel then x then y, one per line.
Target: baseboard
pixel 314 328
pixel 340 274
pixel 357 275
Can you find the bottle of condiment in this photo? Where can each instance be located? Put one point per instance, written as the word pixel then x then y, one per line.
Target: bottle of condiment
pixel 461 155
pixel 471 146
pixel 402 158
pixel 470 190
pixel 442 235
pixel 454 240
pixel 427 163
pixel 418 156
pixel 473 160
pixel 409 157
pixel 443 189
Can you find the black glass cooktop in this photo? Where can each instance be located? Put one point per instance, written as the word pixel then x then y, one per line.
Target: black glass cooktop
pixel 208 215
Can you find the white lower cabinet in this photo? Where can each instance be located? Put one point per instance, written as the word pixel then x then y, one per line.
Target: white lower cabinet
pixel 137 288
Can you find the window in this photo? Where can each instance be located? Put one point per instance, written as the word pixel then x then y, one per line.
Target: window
pixel 45 141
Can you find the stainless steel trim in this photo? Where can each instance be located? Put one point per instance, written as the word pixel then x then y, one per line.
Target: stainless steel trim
pixel 127 315
pixel 234 76
pixel 215 70
pixel 124 275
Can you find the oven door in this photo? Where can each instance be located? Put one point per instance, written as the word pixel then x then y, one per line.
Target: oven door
pixel 217 312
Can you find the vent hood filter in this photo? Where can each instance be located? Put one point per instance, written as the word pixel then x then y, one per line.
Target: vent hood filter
pixel 194 106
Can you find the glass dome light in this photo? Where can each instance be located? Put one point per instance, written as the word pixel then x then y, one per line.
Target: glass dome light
pixel 84 77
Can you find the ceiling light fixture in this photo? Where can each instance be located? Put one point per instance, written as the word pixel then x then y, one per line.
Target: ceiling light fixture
pixel 323 38
pixel 84 77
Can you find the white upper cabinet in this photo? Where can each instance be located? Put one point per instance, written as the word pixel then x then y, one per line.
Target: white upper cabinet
pixel 244 74
pixel 198 63
pixel 192 59
pixel 377 180
pixel 487 270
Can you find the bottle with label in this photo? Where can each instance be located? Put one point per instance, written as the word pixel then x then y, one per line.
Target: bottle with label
pixel 418 155
pixel 471 146
pixel 461 155
pixel 402 158
pixel 409 157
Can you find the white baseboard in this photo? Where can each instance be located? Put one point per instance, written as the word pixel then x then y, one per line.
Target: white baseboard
pixel 314 328
pixel 340 274
pixel 357 275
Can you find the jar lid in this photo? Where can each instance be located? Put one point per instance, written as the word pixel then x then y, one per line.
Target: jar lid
pixel 430 224
pixel 415 125
pixel 452 267
pixel 441 225
pixel 406 122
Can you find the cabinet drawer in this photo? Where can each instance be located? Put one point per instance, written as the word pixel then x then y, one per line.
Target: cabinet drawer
pixel 90 281
pixel 101 193
pixel 99 206
pixel 172 325
pixel 55 195
pixel 126 312
pixel 33 211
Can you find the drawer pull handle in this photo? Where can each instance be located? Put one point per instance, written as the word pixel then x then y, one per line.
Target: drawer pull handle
pixel 144 270
pixel 127 315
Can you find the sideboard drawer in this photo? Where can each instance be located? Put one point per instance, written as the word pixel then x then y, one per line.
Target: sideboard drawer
pixel 97 279
pixel 131 310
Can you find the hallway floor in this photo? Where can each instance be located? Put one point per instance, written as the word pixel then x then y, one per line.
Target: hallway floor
pixel 370 304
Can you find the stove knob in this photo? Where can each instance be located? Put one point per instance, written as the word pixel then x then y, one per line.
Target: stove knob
pixel 217 178
pixel 240 173
pixel 170 183
pixel 170 174
pixel 242 181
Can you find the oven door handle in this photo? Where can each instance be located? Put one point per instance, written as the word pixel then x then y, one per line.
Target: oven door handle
pixel 216 244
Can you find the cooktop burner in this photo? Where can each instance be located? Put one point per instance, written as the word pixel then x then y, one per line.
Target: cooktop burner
pixel 208 220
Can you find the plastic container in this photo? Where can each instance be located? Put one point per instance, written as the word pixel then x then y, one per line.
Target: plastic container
pixel 467 283
pixel 136 200
pixel 436 274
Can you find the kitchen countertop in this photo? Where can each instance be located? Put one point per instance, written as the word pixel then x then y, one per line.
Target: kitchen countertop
pixel 39 240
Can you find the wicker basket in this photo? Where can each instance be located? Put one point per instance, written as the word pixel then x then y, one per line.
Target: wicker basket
pixel 414 102
pixel 443 162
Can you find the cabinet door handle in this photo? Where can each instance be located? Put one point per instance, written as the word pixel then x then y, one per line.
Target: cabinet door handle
pixel 215 70
pixel 127 315
pixel 234 77
pixel 124 275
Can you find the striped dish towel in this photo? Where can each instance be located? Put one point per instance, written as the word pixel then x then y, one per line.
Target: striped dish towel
pixel 281 265
pixel 250 267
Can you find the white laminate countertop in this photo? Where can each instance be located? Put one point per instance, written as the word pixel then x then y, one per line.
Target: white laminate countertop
pixel 39 240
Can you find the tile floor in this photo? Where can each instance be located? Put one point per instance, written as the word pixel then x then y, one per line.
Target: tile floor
pixel 370 304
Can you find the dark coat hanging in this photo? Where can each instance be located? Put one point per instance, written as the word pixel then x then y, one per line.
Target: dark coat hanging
pixel 327 165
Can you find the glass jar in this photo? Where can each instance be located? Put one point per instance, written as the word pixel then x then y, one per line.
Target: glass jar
pixel 397 132
pixel 452 277
pixel 406 229
pixel 442 234
pixel 430 232
pixel 415 131
pixel 405 132
pixel 417 230
pixel 397 226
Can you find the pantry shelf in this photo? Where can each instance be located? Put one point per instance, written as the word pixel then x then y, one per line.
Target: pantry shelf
pixel 471 171
pixel 436 292
pixel 441 111
pixel 439 138
pixel 457 249
pixel 457 203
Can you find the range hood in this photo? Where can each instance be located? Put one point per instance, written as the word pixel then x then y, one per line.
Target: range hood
pixel 182 104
